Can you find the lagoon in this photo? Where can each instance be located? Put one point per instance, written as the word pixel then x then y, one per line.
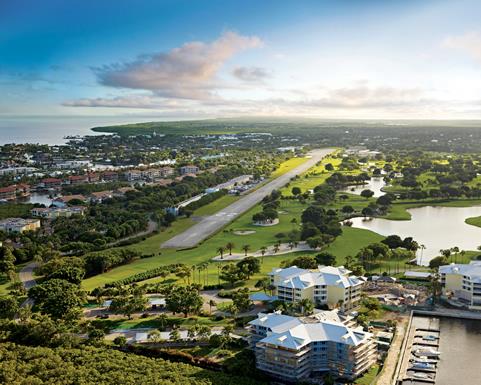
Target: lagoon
pixel 375 184
pixel 435 227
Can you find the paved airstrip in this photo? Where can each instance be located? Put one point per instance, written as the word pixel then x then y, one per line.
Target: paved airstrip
pixel 213 223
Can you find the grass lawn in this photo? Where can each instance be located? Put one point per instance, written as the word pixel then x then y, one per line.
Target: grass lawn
pixel 474 221
pixel 369 377
pixel 153 322
pixel 215 206
pixel 399 211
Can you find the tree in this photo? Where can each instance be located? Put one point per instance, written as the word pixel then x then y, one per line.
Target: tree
pixel 326 259
pixel 367 212
pixel 249 266
pixel 203 332
pixel 306 306
pixel 296 191
pixel 184 299
pixel 120 341
pixel 438 261
pixel 367 193
pixel 71 274
pixel 183 272
pixel 241 299
pixel 128 304
pixel 174 335
pixel 154 336
pixel 303 262
pixel 263 284
pixel 229 246
pixel 221 251
pixel 57 297
pixel 8 307
pixel 231 273
pixel 393 241
pixel 347 209
pixel 163 320
pixel 246 248
pixel 7 260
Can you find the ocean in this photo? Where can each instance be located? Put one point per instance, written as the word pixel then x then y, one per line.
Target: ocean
pixel 52 130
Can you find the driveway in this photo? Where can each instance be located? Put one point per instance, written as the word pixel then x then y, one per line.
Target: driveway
pixel 213 223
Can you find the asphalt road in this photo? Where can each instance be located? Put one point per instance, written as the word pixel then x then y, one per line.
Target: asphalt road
pixel 26 277
pixel 213 223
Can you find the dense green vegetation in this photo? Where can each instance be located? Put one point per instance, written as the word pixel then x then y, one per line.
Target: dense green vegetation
pixel 96 366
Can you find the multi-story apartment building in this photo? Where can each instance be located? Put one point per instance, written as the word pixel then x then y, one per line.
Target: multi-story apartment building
pixel 19 225
pixel 133 175
pixel 56 212
pixel 328 285
pixel 15 191
pixel 293 349
pixel 110 176
pixel 189 169
pixel 463 283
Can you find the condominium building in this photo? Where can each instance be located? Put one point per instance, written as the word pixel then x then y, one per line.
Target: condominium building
pixel 56 212
pixel 19 225
pixel 189 169
pixel 296 348
pixel 327 286
pixel 463 283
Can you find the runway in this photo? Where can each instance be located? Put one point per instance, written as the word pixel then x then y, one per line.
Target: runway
pixel 213 223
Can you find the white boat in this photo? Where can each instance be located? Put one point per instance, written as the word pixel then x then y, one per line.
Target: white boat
pixel 427 352
pixel 424 359
pixel 423 365
pixel 421 375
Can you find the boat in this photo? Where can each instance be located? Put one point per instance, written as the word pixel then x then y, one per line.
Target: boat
pixel 428 352
pixel 424 359
pixel 423 365
pixel 430 337
pixel 424 376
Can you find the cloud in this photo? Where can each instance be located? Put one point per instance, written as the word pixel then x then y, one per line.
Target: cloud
pixel 186 72
pixel 251 74
pixel 134 101
pixel 469 43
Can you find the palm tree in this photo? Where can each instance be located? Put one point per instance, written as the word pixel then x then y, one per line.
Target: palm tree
pixel 462 253
pixel 162 319
pixel 221 251
pixel 422 247
pixel 276 248
pixel 349 261
pixel 229 246
pixel 212 303
pixel 246 248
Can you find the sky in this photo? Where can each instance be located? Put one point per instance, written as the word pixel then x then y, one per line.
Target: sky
pixel 368 59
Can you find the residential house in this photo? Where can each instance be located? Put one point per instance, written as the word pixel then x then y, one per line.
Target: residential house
pixel 100 196
pixel 51 183
pixel 77 179
pixel 133 175
pixel 110 176
pixel 64 200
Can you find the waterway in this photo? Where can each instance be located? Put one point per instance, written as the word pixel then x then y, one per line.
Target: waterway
pixel 432 226
pixel 375 184
pixel 459 344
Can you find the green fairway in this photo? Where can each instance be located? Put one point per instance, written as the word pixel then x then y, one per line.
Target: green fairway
pixel 474 221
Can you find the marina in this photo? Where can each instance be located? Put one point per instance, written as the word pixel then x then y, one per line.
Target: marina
pixel 439 350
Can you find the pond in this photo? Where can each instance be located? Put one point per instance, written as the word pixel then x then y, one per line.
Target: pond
pixel 39 198
pixel 375 184
pixel 434 227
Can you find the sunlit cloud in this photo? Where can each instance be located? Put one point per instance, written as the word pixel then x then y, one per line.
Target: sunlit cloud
pixel 186 72
pixel 469 43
